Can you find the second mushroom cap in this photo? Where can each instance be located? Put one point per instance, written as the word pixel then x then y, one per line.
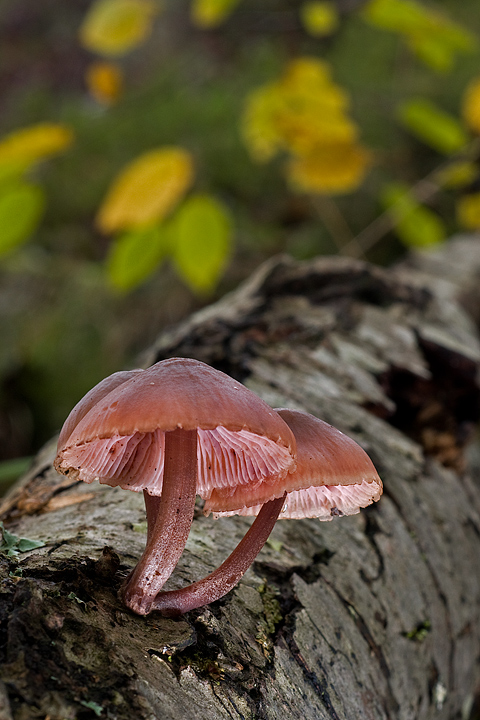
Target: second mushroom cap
pixel 334 476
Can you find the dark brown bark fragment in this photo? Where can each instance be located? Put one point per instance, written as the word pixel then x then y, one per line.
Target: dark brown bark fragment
pixel 373 616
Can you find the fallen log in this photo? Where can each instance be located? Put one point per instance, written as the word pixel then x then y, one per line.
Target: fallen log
pixel 370 616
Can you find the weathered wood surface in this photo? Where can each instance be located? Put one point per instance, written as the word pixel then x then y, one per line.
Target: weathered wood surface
pixel 374 616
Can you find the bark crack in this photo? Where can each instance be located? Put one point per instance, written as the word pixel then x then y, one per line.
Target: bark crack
pixel 318 684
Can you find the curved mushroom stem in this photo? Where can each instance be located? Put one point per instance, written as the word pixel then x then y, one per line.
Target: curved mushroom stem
pixel 171 516
pixel 222 580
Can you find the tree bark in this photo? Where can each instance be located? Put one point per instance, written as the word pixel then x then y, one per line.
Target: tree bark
pixel 374 616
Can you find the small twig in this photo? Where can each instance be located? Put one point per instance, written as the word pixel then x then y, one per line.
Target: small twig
pixel 334 221
pixel 424 190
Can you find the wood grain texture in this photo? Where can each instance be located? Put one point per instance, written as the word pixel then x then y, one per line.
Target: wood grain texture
pixel 374 616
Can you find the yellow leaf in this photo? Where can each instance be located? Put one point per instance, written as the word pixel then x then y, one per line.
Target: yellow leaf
pixel 471 106
pixel 468 211
pixel 331 169
pixel 297 113
pixel 29 145
pixel 211 13
pixel 313 107
pixel 146 190
pixel 133 257
pixel 104 81
pixel 319 17
pixel 309 77
pixel 260 129
pixel 304 113
pixel 201 237
pixel 114 27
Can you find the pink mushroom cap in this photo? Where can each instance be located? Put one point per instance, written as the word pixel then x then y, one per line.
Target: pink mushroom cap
pixel 334 476
pixel 116 434
pixel 92 397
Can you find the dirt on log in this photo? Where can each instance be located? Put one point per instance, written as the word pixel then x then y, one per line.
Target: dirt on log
pixel 369 617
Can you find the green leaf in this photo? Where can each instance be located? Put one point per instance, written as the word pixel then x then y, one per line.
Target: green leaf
pixel 416 225
pixel 97 709
pixel 402 16
pixel 457 174
pixel 11 172
pixel 13 545
pixel 133 257
pixel 201 238
pixel 441 39
pixel 9 540
pixel 433 51
pixel 25 544
pixel 434 37
pixel 21 208
pixel 434 126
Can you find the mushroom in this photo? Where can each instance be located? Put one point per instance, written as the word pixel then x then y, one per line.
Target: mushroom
pixel 174 430
pixel 334 476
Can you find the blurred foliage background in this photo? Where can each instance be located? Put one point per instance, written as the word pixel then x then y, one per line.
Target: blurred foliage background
pixel 154 152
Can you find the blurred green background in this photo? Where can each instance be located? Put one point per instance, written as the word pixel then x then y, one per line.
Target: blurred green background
pixel 66 319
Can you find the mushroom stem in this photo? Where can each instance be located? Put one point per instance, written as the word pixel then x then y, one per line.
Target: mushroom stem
pixel 171 516
pixel 152 507
pixel 222 580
